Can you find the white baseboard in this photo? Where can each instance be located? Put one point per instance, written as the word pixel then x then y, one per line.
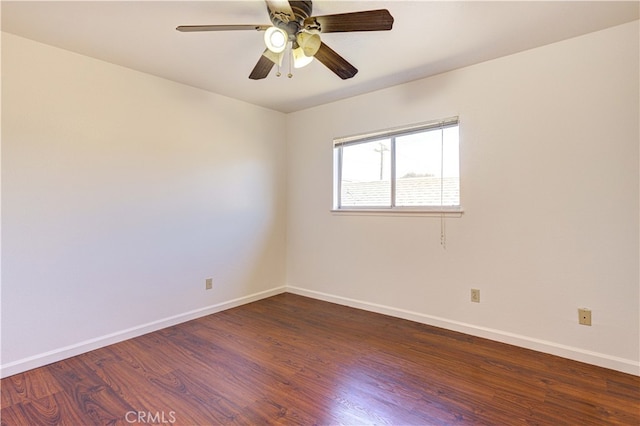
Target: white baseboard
pixel 576 354
pixel 55 355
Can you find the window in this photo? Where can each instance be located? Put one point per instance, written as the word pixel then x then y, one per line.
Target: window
pixel 410 168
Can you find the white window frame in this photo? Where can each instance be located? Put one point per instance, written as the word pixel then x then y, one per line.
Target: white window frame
pixel 388 134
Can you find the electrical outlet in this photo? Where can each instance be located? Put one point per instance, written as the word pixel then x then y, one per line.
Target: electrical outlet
pixel 208 284
pixel 475 295
pixel 584 316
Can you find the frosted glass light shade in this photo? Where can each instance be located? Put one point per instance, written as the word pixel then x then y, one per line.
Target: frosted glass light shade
pixel 300 59
pixel 309 42
pixel 275 39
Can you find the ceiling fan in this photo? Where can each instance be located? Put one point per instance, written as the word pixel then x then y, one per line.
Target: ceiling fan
pixel 294 27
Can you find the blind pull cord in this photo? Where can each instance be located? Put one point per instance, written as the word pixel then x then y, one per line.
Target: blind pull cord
pixel 443 226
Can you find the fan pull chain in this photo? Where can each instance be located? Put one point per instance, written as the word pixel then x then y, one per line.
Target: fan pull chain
pixel 290 61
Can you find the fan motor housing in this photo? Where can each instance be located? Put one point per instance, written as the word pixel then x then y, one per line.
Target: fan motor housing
pixel 301 10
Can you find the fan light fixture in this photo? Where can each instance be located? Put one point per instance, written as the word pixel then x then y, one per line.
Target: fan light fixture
pixel 299 58
pixel 275 39
pixel 309 41
pixel 306 46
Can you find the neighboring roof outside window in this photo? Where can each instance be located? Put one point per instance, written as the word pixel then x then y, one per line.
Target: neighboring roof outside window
pixel 410 192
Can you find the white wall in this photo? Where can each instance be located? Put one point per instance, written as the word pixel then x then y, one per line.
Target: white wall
pixel 550 184
pixel 121 193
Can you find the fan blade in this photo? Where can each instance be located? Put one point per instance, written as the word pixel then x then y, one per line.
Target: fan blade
pixel 194 28
pixel 335 62
pixel 262 68
pixel 281 9
pixel 369 20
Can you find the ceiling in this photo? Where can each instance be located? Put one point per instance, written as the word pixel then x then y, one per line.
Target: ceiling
pixel 428 38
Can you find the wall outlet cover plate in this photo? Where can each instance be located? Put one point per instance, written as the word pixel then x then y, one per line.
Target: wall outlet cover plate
pixel 584 316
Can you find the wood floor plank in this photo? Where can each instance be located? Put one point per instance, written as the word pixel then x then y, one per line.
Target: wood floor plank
pixel 55 409
pixel 23 387
pixel 89 396
pixel 293 360
pixel 146 390
pixel 13 415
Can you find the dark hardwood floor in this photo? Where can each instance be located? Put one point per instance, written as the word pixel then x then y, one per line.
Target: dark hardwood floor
pixel 294 360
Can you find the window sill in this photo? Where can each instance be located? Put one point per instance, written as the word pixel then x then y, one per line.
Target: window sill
pixel 412 212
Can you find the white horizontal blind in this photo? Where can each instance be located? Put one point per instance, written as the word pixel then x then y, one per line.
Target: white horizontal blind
pixel 397 131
